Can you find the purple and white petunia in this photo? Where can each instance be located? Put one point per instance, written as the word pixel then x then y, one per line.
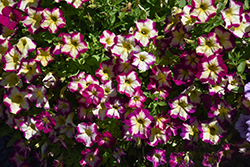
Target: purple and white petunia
pixel 115 108
pixel 127 83
pixel 25 45
pixel 37 94
pixel 137 99
pixel 74 45
pixel 181 107
pixel 190 131
pixel 139 123
pixel 161 76
pixel 145 31
pixel 29 129
pixel 87 133
pixel 211 70
pixel 178 37
pixel 91 157
pixel 45 122
pixel 143 60
pixel 203 10
pixel 208 45
pixel 157 157
pixel 211 131
pixel 16 100
pixel 107 39
pixel 105 71
pixel 44 56
pixel 76 3
pixel 10 17
pixel 12 60
pixel 93 94
pixel 52 19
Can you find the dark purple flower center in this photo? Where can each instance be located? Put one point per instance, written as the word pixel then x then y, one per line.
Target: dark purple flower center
pixel 157 156
pixel 54 18
pixel 127 81
pixel 140 121
pixel 75 43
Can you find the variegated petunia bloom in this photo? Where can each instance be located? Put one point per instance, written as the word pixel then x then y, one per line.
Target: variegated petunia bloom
pixel 74 45
pixel 190 131
pixel 211 70
pixel 12 60
pixel 52 19
pixel 203 10
pixel 143 60
pixel 29 70
pixel 87 133
pixel 145 31
pixel 124 45
pixel 127 83
pixel 226 38
pixel 16 100
pixel 243 29
pixel 107 39
pixel 211 131
pixel 93 94
pixel 105 71
pixel 44 56
pixel 33 19
pixel 139 123
pixel 137 99
pixel 186 18
pixel 161 76
pixel 157 157
pixel 232 14
pixel 91 157
pixel 178 37
pixel 29 129
pixel 208 45
pixel 115 108
pixel 24 4
pixel 181 107
pixel 76 3
pixel 25 45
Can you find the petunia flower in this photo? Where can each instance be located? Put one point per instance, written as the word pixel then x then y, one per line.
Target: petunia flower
pixel 91 157
pixel 190 131
pixel 52 19
pixel 45 122
pixel 86 81
pixel 243 29
pixel 177 37
pixel 203 10
pixel 227 152
pixel 12 60
pixel 85 114
pixel 176 159
pixel 126 135
pixel 226 38
pixel 234 81
pixel 124 45
pixel 115 108
pixel 63 107
pixel 76 3
pixel 87 133
pixel 105 71
pixel 5 45
pixel 10 17
pixel 127 83
pixel 25 45
pixel 218 88
pixel 211 70
pixel 143 60
pixel 29 129
pixel 210 160
pixel 161 76
pixel 74 45
pixel 186 18
pixel 22 147
pixel 44 56
pixel 232 14
pixel 33 19
pixel 241 126
pixel 24 4
pixel 137 99
pixel 109 90
pixel 7 33
pixel 10 79
pixel 50 80
pixel 107 39
pixel 29 70
pixel 17 160
pixel 93 93
pixel 145 31
pixel 4 3
pixel 38 95
pixel 172 20
pixel 195 95
pixel 211 131
pixel 124 67
pixel 208 45
pixel 100 110
pixel 157 157
pixel 74 80
pixel 139 123
pixel 16 100
pixel 158 135
pixel 181 107
pixel 183 75
pixel 190 59
pixel 106 140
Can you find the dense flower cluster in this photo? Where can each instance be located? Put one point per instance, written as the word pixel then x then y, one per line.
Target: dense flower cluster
pixel 168 90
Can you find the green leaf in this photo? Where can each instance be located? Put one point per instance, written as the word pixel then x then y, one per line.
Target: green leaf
pixel 241 67
pixel 182 3
pixel 246 4
pixel 162 103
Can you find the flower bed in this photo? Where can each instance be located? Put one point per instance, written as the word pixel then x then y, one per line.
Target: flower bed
pixel 125 83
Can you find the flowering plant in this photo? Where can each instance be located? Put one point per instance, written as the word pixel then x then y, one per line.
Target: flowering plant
pixel 125 83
